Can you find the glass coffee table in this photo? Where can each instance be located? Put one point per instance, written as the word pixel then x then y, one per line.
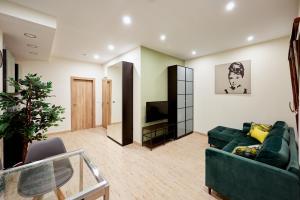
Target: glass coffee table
pixel 66 176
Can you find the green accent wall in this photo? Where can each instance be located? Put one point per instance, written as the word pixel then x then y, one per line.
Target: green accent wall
pixel 154 77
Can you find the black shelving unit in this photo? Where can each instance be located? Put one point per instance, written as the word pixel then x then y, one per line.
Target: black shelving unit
pixel 180 99
pixel 157 134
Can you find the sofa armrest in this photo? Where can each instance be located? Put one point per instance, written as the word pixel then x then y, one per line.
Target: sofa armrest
pixel 240 178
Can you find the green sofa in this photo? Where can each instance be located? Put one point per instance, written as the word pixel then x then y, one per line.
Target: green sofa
pixel 273 175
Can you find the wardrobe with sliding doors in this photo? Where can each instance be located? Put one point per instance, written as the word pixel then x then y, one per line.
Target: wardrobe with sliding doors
pixel 180 99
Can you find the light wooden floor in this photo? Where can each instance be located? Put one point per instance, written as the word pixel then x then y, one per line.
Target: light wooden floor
pixel 174 171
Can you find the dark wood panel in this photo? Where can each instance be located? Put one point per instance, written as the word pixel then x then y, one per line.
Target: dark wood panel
pixel 16 73
pixel 172 95
pixel 127 104
pixel 4 79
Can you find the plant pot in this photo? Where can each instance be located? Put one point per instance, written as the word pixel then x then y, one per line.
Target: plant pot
pixel 13 150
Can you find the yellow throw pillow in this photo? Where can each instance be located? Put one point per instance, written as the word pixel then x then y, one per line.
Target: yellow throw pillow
pixel 258 134
pixel 262 127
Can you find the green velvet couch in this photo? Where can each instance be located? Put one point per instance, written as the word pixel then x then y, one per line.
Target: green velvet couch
pixel 273 175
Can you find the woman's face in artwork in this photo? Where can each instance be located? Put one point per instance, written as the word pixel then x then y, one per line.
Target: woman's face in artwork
pixel 235 79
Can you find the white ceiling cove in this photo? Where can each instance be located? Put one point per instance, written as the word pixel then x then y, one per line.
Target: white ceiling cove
pixel 16 20
pixel 89 26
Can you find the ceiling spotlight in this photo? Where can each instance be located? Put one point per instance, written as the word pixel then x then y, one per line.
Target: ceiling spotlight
pixel 84 54
pixel 126 20
pixel 163 37
pixel 33 53
pixel 96 56
pixel 230 6
pixel 250 38
pixel 29 35
pixel 194 52
pixel 111 47
pixel 32 46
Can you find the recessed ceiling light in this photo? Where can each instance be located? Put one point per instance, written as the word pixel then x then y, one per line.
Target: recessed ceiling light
pixel 111 47
pixel 250 38
pixel 32 46
pixel 230 6
pixel 33 53
pixel 194 52
pixel 29 35
pixel 163 37
pixel 126 20
pixel 84 54
pixel 96 56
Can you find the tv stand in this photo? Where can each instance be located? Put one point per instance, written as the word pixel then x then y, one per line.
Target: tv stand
pixel 158 134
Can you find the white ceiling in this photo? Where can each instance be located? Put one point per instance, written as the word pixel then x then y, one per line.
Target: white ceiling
pixel 88 26
pixel 15 21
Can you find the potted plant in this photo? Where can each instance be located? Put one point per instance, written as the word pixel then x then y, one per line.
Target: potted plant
pixel 26 116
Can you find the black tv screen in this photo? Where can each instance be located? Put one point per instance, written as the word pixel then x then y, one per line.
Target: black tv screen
pixel 157 110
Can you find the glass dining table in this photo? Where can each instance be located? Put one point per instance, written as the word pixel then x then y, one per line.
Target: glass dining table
pixel 69 176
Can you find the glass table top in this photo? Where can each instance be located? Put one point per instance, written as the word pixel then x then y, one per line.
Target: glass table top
pixel 66 176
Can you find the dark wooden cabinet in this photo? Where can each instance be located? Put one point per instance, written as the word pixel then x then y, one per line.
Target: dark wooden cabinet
pixel 180 99
pixel 119 103
pixel 127 107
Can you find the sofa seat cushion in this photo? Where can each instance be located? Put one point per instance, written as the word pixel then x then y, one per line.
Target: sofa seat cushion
pixel 224 133
pixel 220 136
pixel 240 141
pixel 274 151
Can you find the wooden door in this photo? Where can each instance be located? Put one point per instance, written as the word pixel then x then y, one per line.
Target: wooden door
pixel 106 102
pixel 83 103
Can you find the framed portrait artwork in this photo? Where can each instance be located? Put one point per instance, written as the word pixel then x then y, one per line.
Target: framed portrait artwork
pixel 233 78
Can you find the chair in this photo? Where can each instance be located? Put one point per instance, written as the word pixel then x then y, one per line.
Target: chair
pixel 36 182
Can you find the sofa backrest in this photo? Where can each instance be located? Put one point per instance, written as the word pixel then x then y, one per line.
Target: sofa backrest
pixel 275 150
pixel 280 124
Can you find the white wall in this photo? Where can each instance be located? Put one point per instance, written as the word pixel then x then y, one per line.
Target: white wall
pixel 134 57
pixel 298 7
pixel 271 88
pixel 59 71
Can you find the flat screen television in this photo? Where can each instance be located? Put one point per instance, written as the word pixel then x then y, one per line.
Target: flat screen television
pixel 156 110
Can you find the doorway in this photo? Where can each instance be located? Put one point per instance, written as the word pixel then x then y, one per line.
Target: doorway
pixel 106 102
pixel 82 103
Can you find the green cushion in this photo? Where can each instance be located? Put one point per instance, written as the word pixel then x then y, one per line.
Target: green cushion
pixel 246 127
pixel 293 165
pixel 280 132
pixel 240 141
pixel 217 143
pixel 231 145
pixel 221 136
pixel 280 124
pixel 224 133
pixel 274 151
